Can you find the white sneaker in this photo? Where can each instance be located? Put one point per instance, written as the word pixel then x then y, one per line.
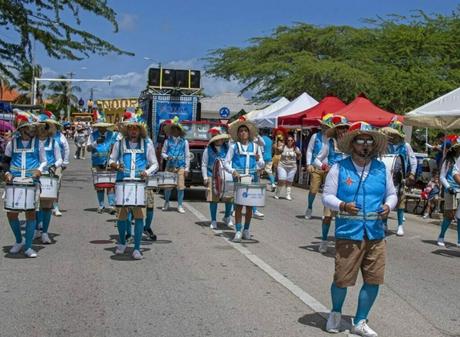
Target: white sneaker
pixel 37 234
pixel 400 231
pixel 404 218
pixel 228 221
pixel 273 186
pixel 165 206
pixel 120 249
pixel 276 197
pixel 258 215
pixel 74 157
pixel 441 242
pixel 181 210
pixel 45 238
pixel 213 225
pixel 246 234
pixel 362 329
pixel 288 197
pixel 57 212
pixel 308 213
pixel 237 237
pixel 333 322
pixel 100 210
pixel 425 216
pixel 137 255
pixel 323 247
pixel 83 158
pixel 16 247
pixel 30 253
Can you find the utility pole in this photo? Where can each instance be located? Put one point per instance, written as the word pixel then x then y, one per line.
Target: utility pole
pixel 68 93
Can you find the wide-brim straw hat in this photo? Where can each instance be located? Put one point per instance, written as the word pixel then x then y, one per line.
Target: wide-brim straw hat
pixel 325 121
pixel 362 128
pixel 173 123
pixel 389 131
pixel 337 121
pixel 102 125
pixel 233 130
pixel 224 136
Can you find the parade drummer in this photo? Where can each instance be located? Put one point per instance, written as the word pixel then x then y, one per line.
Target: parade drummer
pixel 329 155
pixel 317 175
pixel 177 155
pixel 287 167
pixel 65 153
pixel 46 129
pixel 398 146
pixel 100 143
pixel 361 190
pixel 26 159
pixel 134 157
pixel 451 188
pixel 244 157
pixel 217 149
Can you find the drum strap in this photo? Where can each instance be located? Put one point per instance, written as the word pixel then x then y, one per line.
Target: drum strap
pixel 247 154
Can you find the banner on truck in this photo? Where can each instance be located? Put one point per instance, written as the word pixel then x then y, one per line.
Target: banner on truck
pixel 166 107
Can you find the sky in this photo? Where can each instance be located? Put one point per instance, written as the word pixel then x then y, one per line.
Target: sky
pixel 179 34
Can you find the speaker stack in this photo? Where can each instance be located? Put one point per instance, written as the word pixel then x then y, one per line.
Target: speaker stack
pixel 172 78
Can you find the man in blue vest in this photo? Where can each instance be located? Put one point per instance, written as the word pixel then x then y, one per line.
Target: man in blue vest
pixel 361 190
pixel 177 155
pixel 134 157
pixel 100 143
pixel 268 155
pixel 317 175
pixel 398 146
pixel 26 158
pixel 244 157
pixel 329 155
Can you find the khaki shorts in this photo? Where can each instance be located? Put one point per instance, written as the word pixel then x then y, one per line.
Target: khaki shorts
pixel 123 212
pixel 269 168
pixel 149 198
pixel 317 178
pixel 352 256
pixel 276 160
pixel 180 177
pixel 327 212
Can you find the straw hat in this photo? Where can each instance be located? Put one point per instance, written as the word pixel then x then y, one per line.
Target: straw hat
pixel 173 123
pixel 242 121
pixel 325 120
pixel 336 122
pixel 363 128
pixel 217 134
pixel 131 119
pixel 101 122
pixel 47 117
pixel 23 119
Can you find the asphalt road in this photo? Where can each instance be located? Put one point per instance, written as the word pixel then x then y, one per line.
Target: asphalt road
pixel 194 282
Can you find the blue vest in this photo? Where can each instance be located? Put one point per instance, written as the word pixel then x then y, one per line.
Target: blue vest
pixel 177 152
pixel 24 160
pixel 239 161
pixel 101 152
pixel 450 177
pixel 57 138
pixel 125 157
pixel 49 144
pixel 267 149
pixel 333 156
pixel 401 150
pixel 317 146
pixel 213 156
pixel 370 197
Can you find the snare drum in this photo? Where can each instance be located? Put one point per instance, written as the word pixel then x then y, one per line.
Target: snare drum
pixel 394 164
pixel 250 194
pixel 130 193
pixel 152 182
pixel 49 187
pixel 222 182
pixel 167 179
pixel 20 196
pixel 104 178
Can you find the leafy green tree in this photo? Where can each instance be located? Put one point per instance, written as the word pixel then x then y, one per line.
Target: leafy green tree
pixel 63 94
pixel 24 84
pixel 46 22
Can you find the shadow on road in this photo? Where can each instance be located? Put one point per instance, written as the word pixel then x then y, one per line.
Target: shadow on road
pixel 126 256
pixel 316 320
pixel 312 218
pixel 447 252
pixel 20 255
pixel 229 235
pixel 314 247
pixel 52 237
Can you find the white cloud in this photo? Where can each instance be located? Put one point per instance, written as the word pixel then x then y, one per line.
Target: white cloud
pixel 128 22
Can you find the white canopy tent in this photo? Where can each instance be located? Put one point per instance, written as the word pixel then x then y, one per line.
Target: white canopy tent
pixel 268 109
pixel 303 102
pixel 441 113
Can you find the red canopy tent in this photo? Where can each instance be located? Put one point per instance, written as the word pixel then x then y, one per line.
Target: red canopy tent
pixel 362 109
pixel 328 104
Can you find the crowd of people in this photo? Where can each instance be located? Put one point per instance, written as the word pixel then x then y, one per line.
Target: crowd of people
pixel 343 159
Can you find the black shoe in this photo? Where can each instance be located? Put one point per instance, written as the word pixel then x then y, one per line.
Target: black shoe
pixel 149 233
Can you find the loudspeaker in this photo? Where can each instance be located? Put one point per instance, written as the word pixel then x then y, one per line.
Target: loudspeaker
pixel 169 78
pixel 154 77
pixel 182 79
pixel 195 79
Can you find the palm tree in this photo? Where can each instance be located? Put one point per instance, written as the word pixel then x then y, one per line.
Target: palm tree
pixel 63 93
pixel 24 84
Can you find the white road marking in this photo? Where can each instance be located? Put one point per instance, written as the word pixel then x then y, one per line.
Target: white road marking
pixel 298 292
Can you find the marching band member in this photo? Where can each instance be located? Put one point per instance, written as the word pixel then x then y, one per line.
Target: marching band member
pixel 244 157
pixel 134 157
pixel 361 190
pixel 217 149
pixel 328 156
pixel 26 158
pixel 65 153
pixel 287 167
pixel 100 143
pixel 46 133
pixel 451 188
pixel 397 145
pixel 317 175
pixel 268 159
pixel 176 153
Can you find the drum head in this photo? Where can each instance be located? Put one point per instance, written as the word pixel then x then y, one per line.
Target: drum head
pixel 218 178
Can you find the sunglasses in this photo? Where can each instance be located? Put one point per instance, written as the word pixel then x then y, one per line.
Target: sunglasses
pixel 360 141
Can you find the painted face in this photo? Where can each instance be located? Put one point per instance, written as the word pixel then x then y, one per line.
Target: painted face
pixel 243 133
pixel 363 145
